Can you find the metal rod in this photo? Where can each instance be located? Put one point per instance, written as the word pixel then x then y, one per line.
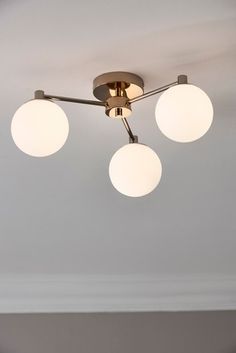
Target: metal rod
pixel 153 92
pixel 74 100
pixel 118 90
pixel 133 138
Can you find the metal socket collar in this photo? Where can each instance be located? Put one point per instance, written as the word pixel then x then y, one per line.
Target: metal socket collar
pixel 118 107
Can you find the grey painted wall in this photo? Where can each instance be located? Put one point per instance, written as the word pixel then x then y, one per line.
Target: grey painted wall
pixel 208 332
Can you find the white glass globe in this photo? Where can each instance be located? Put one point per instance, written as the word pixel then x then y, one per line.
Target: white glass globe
pixel 39 128
pixel 184 113
pixel 135 170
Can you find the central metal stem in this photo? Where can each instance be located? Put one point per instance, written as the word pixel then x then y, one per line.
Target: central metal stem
pixel 119 90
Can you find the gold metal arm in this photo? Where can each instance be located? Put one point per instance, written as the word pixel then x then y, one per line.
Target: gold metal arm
pixel 182 79
pixel 132 138
pixel 41 95
pixel 153 92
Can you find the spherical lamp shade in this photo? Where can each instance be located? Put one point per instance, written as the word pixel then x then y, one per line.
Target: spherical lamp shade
pixel 135 170
pixel 184 113
pixel 39 128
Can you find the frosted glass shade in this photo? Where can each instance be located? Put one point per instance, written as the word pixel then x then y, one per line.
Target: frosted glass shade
pixel 184 113
pixel 135 170
pixel 39 128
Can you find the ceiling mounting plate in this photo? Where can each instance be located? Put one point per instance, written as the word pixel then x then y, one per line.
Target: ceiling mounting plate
pixel 104 86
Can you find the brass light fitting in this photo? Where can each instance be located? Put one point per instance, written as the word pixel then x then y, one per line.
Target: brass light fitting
pixel 116 91
pixel 184 113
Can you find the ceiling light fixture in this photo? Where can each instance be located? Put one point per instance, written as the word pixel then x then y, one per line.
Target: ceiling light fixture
pixel 184 113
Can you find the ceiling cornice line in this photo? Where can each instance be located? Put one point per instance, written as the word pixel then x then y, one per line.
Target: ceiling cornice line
pixel 68 293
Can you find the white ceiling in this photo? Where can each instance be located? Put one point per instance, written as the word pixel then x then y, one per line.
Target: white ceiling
pixel 61 215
